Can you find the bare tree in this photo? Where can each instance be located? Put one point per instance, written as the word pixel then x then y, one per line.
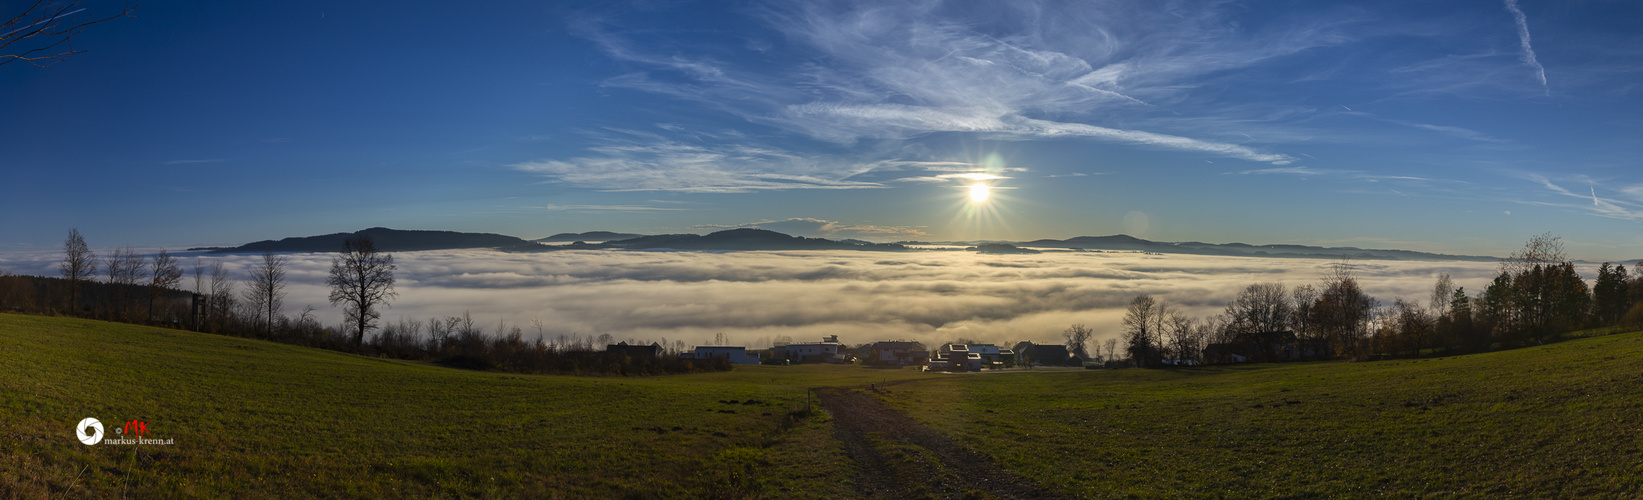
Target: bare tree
pixel 1303 298
pixel 1343 312
pixel 1261 307
pixel 266 288
pixel 164 274
pixel 363 280
pixel 1076 336
pixel 199 276
pixel 43 34
pixel 1541 250
pixel 1180 333
pixel 1111 345
pixel 1410 328
pixel 123 267
pixel 1142 322
pixel 78 266
pixel 1443 292
pixel 220 298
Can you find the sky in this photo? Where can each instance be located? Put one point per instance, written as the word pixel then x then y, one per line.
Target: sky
pixel 1459 127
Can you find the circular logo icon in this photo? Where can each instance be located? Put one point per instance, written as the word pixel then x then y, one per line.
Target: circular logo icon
pixel 90 431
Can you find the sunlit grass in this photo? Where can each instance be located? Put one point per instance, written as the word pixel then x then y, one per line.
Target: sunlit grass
pixel 262 419
pixel 1554 421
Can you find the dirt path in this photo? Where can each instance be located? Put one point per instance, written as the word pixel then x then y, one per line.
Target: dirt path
pixel 901 458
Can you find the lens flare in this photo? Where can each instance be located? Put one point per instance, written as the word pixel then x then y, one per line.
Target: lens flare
pixel 979 192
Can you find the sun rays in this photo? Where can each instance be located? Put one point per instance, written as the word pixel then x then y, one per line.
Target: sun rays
pixel 979 192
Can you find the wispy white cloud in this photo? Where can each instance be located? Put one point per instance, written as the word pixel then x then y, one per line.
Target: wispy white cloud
pixel 898 72
pixel 1523 41
pixel 600 208
pixel 1613 209
pixel 1450 130
pixel 649 163
pixel 1301 171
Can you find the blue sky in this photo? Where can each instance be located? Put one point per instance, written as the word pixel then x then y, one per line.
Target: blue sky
pixel 1459 127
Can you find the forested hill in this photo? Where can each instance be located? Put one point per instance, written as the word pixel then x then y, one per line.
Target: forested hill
pixel 387 240
pixel 588 236
pixel 746 239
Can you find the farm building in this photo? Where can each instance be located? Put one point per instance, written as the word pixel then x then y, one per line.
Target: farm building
pixel 734 353
pixel 1028 353
pixel 897 353
pixel 636 351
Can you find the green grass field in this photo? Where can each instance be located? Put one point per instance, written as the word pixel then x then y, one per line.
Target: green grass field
pixel 253 418
pixel 1562 420
pixel 257 419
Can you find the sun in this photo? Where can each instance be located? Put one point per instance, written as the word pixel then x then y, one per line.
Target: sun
pixel 979 192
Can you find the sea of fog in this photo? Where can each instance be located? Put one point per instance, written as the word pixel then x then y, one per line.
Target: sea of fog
pixel 860 296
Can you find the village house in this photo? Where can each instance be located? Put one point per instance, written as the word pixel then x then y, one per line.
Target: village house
pixel 897 353
pixel 829 350
pixel 955 357
pixel 734 353
pixel 1030 354
pixel 993 356
pixel 636 351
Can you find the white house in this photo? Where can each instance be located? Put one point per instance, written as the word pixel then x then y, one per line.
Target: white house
pixel 734 353
pixel 829 350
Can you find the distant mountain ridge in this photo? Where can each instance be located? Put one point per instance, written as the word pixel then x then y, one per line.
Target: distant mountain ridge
pixel 746 239
pixel 387 240
pixel 588 236
pixel 397 240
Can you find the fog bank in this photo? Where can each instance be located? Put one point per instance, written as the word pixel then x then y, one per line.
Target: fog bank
pixel 931 296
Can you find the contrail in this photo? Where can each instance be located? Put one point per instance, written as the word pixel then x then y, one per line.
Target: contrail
pixel 1523 39
pixel 37 23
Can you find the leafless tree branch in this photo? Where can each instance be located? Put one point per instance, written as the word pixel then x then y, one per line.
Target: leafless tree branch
pixel 39 31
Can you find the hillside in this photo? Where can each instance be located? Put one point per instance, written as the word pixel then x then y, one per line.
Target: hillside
pixel 1555 421
pixel 258 419
pixel 387 240
pixel 252 418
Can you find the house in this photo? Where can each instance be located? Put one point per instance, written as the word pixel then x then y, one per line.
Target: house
pixel 955 357
pixel 734 353
pixel 897 353
pixel 1028 354
pixel 829 350
pixel 1266 347
pixel 992 355
pixel 635 351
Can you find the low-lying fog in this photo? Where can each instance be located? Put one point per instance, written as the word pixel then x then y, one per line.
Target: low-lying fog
pixel 859 296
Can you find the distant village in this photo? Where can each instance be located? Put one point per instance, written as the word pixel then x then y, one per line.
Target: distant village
pixel 950 357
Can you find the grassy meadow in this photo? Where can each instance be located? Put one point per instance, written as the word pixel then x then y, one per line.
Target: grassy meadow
pixel 258 419
pixel 1561 420
pixel 253 418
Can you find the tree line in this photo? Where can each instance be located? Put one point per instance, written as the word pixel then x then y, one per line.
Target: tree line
pixel 125 286
pixel 1536 297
